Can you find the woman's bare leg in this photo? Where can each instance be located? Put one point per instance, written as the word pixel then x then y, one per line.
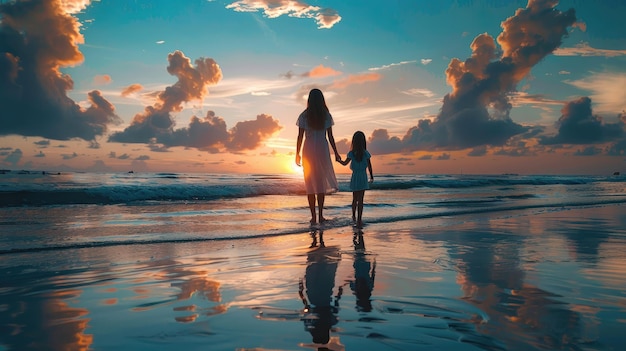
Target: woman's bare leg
pixel 320 205
pixel 311 198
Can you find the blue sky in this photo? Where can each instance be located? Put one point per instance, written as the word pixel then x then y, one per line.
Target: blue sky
pixel 216 86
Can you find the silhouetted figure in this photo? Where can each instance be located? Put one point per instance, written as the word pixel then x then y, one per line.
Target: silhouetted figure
pixel 315 123
pixel 364 275
pixel 360 163
pixel 316 292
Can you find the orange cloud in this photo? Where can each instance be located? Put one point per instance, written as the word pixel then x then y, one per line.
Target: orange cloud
pixel 133 88
pixel 356 79
pixel 321 71
pixel 325 17
pixel 102 79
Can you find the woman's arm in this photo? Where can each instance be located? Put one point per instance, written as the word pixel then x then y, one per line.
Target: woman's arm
pixel 299 146
pixel 331 139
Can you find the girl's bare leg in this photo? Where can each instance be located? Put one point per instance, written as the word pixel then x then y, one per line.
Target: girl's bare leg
pixel 354 197
pixel 360 195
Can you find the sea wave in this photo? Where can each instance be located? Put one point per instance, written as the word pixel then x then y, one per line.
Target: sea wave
pixel 121 194
pixel 64 189
pixel 149 239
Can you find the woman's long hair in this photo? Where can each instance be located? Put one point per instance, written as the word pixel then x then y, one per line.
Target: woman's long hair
pixel 358 145
pixel 316 110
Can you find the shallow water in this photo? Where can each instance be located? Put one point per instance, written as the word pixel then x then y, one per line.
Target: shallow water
pixel 532 279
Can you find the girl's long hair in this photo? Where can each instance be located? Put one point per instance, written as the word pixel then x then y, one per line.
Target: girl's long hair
pixel 316 110
pixel 358 145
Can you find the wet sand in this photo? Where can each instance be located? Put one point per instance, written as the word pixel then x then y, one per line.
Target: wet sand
pixel 525 280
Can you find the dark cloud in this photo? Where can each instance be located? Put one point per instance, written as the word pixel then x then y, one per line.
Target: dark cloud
pixel 14 157
pixel 588 151
pixel 618 148
pixel 210 134
pixel 155 126
pixel 249 135
pixel 42 143
pixel 37 38
pixel 157 120
pixel 478 151
pixel 476 112
pixel 69 156
pixel 381 143
pixel 514 152
pixel 578 125
pixel 288 75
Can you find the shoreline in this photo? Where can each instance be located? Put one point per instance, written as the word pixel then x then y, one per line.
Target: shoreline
pixel 526 280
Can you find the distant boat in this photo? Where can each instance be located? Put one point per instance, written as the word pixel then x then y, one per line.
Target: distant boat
pixel 131 172
pixel 615 173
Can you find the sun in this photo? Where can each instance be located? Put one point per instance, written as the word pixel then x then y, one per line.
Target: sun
pixel 295 169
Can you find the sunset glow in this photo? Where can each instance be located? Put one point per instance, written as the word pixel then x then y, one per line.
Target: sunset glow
pixel 210 86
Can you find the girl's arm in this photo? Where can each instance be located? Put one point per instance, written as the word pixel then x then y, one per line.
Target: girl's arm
pixel 369 166
pixel 331 139
pixel 345 162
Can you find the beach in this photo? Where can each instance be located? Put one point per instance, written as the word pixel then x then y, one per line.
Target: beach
pixel 501 263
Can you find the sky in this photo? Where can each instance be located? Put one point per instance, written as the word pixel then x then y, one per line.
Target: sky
pixel 438 87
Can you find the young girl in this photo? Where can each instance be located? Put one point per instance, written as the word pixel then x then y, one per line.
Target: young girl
pixel 360 158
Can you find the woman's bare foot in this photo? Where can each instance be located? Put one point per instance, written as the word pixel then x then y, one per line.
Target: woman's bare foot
pixel 322 220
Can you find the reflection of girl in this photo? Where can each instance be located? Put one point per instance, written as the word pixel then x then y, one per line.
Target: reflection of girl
pixel 364 275
pixel 315 123
pixel 320 282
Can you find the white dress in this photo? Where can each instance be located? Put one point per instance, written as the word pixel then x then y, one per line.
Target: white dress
pixel 319 174
pixel 358 181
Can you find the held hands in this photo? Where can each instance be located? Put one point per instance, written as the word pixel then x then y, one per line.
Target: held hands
pixel 338 158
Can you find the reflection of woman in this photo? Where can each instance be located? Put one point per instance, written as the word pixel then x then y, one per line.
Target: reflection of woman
pixel 319 280
pixel 315 124
pixel 364 275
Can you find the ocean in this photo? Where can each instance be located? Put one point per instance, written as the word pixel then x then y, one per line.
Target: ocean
pixel 69 210
pixel 158 261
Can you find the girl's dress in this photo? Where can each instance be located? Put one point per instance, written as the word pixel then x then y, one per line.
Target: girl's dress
pixel 359 172
pixel 319 174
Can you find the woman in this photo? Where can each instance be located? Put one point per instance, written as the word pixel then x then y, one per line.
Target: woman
pixel 315 124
